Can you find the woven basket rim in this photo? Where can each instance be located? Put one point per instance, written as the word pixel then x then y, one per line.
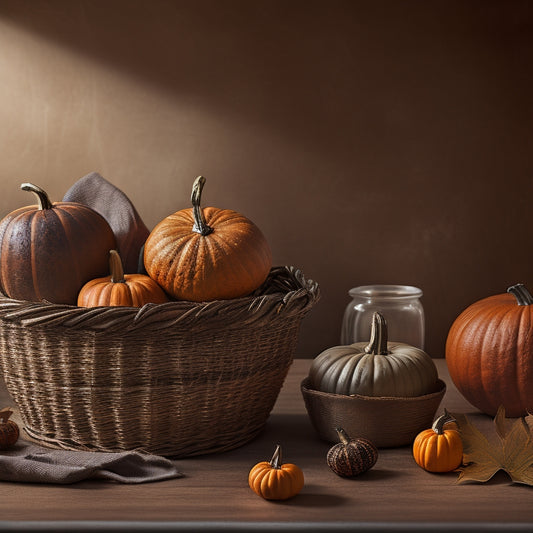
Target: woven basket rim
pixel 440 388
pixel 285 292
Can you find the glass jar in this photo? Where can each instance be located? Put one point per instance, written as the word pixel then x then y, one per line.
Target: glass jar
pixel 399 304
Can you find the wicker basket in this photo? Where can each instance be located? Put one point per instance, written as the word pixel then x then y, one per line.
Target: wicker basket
pixel 175 379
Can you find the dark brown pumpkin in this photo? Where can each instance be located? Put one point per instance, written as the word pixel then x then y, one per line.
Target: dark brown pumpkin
pixel 489 350
pixel 207 254
pixel 9 430
pixel 351 457
pixel 50 250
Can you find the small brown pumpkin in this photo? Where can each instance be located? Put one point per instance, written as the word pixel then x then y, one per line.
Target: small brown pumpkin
pixel 438 449
pixel 489 349
pixel 119 289
pixel 50 250
pixel 275 480
pixel 9 430
pixel 351 457
pixel 207 254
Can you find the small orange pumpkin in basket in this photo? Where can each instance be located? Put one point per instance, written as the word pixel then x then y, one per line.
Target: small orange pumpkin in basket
pixel 119 289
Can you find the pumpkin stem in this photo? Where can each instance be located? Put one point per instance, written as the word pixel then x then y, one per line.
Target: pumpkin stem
pixel 275 462
pixel 378 335
pixel 438 425
pixel 42 198
pixel 522 295
pixel 343 436
pixel 200 225
pixel 116 268
pixel 5 413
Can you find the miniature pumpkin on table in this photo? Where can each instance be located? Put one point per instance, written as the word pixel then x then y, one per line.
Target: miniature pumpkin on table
pixel 202 254
pixel 438 449
pixel 489 349
pixel 9 430
pixel 119 289
pixel 377 368
pixel 275 480
pixel 351 457
pixel 49 250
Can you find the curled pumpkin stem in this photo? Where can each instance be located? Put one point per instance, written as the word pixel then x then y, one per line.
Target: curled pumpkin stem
pixel 522 295
pixel 275 462
pixel 200 225
pixel 42 198
pixel 441 421
pixel 378 335
pixel 115 267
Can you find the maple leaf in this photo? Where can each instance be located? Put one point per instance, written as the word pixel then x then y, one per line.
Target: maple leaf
pixel 510 450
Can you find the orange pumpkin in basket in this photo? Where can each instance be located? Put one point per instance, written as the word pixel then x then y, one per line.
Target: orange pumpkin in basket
pixel 49 250
pixel 119 289
pixel 207 254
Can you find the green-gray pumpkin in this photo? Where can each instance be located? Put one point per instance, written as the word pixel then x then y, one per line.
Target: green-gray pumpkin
pixel 377 368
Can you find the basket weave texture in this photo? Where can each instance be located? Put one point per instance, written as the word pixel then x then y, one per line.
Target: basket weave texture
pixel 175 379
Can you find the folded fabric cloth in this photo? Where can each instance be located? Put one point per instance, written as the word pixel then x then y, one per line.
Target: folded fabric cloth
pixel 129 229
pixel 31 463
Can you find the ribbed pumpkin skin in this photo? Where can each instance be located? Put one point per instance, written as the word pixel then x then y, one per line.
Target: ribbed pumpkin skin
pixel 404 372
pixel 276 483
pixel 51 253
pixel 230 262
pixel 489 353
pixel 438 453
pixel 135 291
pixel 352 458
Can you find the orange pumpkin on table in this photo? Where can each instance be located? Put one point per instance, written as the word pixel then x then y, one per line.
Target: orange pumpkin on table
pixel 489 352
pixel 275 480
pixel 207 254
pixel 119 289
pixel 439 449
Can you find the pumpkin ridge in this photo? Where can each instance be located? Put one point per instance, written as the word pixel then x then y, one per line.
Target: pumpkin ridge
pixel 523 377
pixel 33 222
pixel 490 356
pixel 62 215
pixel 399 371
pixel 228 250
pixel 178 262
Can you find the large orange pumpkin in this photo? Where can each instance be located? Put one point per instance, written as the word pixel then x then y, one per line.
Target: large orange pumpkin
pixel 489 352
pixel 207 254
pixel 49 250
pixel 119 289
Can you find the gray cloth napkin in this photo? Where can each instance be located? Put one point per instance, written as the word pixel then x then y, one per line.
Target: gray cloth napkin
pixel 129 229
pixel 31 463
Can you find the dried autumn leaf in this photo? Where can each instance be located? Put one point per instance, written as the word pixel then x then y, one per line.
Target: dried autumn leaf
pixel 510 450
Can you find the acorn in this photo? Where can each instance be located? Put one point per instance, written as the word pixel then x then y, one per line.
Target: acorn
pixel 351 457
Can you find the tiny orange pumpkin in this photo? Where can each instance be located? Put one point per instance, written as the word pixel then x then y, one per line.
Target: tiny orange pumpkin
pixel 438 449
pixel 274 480
pixel 119 289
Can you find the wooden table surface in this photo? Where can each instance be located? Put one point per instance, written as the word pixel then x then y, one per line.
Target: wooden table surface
pixel 214 494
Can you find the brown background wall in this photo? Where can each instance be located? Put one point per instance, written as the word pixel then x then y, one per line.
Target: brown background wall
pixel 371 141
